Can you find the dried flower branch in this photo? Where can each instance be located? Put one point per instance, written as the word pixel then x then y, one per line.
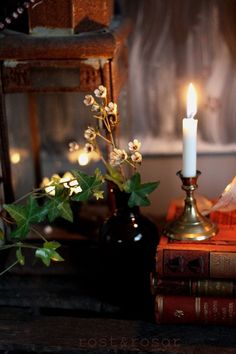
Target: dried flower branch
pixel 106 115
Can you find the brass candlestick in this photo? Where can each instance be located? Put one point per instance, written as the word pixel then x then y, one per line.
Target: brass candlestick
pixel 190 225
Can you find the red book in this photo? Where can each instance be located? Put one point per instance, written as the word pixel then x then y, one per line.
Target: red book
pixel 194 287
pixel 195 310
pixel 209 259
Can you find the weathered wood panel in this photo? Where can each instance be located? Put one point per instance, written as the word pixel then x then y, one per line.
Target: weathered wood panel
pixel 51 75
pixel 97 44
pixel 22 331
pixel 77 15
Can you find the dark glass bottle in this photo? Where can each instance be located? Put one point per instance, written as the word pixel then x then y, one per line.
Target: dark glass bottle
pixel 128 241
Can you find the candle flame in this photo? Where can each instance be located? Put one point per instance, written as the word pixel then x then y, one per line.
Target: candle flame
pixel 191 101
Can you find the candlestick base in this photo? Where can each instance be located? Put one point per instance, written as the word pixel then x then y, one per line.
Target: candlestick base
pixel 191 225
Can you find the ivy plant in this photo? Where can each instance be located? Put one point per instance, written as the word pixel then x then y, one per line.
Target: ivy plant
pixel 53 199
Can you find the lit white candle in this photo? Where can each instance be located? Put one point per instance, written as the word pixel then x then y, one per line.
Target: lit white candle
pixel 190 135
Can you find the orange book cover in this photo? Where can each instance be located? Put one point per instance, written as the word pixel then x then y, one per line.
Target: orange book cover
pixel 213 258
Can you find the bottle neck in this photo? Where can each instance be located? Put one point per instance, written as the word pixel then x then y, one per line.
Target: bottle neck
pixel 121 201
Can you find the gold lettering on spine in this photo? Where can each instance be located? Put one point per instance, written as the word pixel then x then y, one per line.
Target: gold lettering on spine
pixel 179 313
pixel 223 264
pixel 159 300
pixel 190 287
pixel 206 311
pixel 215 309
pixel 198 307
pixel 231 310
pixel 224 312
pixel 206 287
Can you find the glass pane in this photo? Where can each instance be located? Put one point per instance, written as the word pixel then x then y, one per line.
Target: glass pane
pixel 61 119
pixel 19 138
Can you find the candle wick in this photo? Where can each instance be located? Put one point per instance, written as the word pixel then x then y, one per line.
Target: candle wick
pixel 190 116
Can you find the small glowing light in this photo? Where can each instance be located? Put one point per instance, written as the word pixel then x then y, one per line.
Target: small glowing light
pixel 83 159
pixel 15 157
pixel 135 225
pixel 75 156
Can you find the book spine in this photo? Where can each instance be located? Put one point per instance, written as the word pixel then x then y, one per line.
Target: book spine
pixel 192 310
pixel 203 287
pixel 196 264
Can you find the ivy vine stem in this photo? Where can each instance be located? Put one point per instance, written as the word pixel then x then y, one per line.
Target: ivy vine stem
pixel 38 233
pixel 16 245
pixel 27 195
pixel 10 267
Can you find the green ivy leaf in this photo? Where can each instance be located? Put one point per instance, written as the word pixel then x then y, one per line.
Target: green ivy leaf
pixel 88 184
pixel 99 175
pixel 132 183
pixel 25 215
pixel 56 257
pixel 20 257
pixel 53 245
pixel 21 231
pixel 139 192
pixel 47 253
pixel 57 207
pixel 65 211
pixel 114 176
pixel 52 206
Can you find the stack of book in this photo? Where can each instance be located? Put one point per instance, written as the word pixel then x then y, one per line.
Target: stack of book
pixel 195 282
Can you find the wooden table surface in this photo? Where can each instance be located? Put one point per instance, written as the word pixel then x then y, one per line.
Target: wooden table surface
pixel 62 309
pixel 22 331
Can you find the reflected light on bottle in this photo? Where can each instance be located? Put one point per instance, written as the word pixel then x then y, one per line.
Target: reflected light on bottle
pixel 138 237
pixel 227 188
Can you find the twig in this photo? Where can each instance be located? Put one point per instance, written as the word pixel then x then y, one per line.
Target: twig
pixel 105 139
pixel 8 268
pixel 18 244
pixel 26 195
pixel 38 233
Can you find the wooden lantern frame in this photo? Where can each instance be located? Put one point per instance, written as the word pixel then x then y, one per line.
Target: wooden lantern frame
pixel 99 56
